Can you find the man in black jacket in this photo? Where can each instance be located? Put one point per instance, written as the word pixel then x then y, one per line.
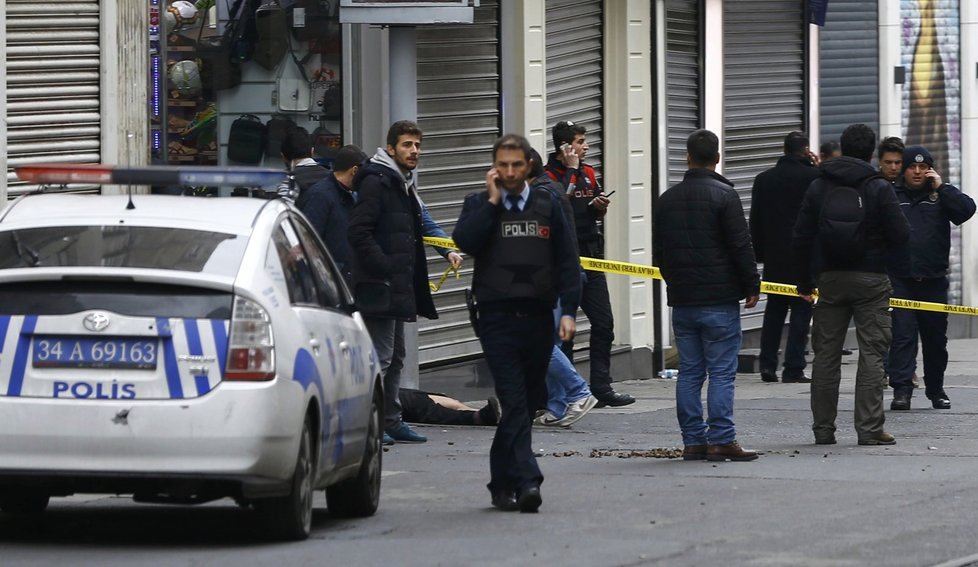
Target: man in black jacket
pixel 775 201
pixel 304 172
pixel 701 244
pixel 388 255
pixel 849 288
pixel 918 270
pixel 524 261
pixel 327 205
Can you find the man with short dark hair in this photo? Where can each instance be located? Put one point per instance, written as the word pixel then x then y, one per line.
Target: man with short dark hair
pixel 385 235
pixel 851 286
pixel 890 155
pixel 829 150
pixel 304 172
pixel 775 202
pixel 327 205
pixel 701 244
pixel 566 166
pixel 918 271
pixel 524 261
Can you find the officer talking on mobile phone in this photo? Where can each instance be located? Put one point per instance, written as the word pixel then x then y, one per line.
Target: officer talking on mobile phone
pixel 590 205
pixel 918 271
pixel 524 261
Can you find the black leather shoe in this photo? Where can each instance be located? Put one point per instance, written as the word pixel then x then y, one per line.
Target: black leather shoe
pixel 530 500
pixel 825 440
pixel 505 501
pixel 613 399
pixel 940 401
pixel 802 379
pixel 900 402
pixel 769 375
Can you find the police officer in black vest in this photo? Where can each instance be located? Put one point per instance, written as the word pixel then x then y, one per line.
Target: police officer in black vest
pixel 524 260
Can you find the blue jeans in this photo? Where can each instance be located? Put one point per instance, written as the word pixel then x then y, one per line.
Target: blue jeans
pixel 564 383
pixel 708 338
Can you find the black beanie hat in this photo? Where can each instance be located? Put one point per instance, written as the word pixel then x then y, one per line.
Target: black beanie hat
pixel 916 154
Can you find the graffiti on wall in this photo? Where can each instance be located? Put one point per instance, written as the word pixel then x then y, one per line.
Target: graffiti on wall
pixel 932 92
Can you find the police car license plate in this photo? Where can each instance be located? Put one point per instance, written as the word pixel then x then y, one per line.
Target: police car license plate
pixel 83 352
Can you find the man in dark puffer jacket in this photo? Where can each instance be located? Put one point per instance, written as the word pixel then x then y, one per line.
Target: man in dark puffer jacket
pixel 702 246
pixel 386 238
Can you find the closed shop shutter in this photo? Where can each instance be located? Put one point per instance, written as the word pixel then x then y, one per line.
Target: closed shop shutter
pixel 763 85
pixel 849 67
pixel 459 112
pixel 764 92
pixel 932 97
pixel 575 70
pixel 683 81
pixel 53 112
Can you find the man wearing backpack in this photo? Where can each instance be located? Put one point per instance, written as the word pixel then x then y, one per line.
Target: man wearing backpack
pixel 918 271
pixel 775 201
pixel 849 219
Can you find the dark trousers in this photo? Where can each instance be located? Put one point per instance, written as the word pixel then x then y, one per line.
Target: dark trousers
pixel 517 348
pixel 794 347
pixel 862 297
pixel 931 327
pixel 596 304
pixel 417 407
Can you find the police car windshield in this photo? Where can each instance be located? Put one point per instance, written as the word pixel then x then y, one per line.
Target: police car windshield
pixel 213 253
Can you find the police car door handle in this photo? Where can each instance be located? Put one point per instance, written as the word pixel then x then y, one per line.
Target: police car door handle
pixel 345 348
pixel 314 343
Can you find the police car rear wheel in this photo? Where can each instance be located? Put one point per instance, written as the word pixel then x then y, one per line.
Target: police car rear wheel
pixel 359 497
pixel 23 503
pixel 290 517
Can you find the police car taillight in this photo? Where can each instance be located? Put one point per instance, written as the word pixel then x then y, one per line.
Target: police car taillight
pixel 251 348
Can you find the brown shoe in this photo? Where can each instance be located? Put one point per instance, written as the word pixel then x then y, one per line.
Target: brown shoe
pixel 881 438
pixel 729 452
pixel 694 453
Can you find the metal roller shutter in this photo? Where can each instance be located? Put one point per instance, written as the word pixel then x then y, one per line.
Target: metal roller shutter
pixel 53 111
pixel 683 80
pixel 764 92
pixel 763 85
pixel 575 69
pixel 459 112
pixel 849 67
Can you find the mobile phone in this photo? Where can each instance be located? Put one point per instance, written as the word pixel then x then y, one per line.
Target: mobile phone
pixel 564 146
pixel 605 195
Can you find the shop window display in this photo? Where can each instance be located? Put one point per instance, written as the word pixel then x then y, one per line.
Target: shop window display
pixel 214 62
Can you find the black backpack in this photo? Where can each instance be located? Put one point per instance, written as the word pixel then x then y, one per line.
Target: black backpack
pixel 842 231
pixel 246 141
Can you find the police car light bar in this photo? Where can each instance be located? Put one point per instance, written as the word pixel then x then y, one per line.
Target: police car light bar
pixel 187 176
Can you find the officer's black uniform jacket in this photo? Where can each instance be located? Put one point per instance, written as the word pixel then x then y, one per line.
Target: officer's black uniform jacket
pixel 479 233
pixel 925 255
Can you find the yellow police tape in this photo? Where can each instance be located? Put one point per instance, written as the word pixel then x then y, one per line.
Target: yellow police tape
pixel 639 270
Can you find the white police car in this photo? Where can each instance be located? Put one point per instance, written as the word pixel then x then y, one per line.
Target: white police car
pixel 181 350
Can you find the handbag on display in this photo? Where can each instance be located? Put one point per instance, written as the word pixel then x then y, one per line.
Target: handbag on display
pixel 246 140
pixel 221 55
pixel 272 26
pixel 275 130
pixel 314 19
pixel 327 100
